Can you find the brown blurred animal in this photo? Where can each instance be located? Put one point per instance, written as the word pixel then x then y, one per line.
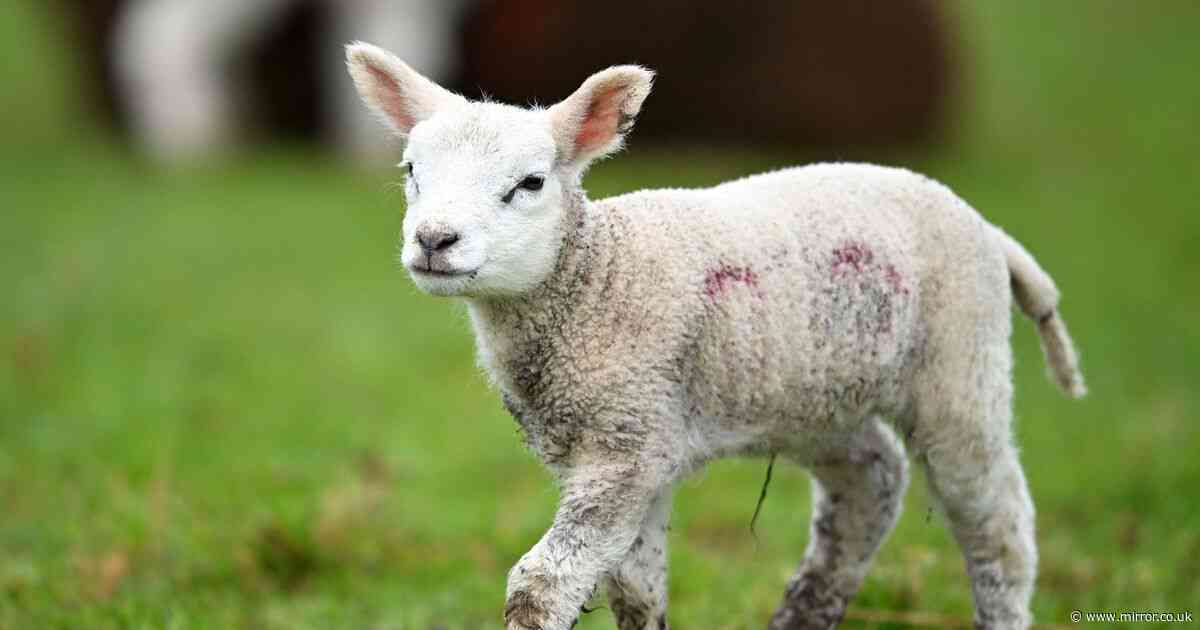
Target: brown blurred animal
pixel 792 73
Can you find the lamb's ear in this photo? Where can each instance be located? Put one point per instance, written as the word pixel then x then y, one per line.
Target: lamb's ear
pixel 399 95
pixel 593 122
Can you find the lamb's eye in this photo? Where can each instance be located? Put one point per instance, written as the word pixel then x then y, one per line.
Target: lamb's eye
pixel 532 183
pixel 411 178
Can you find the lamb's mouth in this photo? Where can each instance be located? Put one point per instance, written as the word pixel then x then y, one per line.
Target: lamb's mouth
pixel 443 273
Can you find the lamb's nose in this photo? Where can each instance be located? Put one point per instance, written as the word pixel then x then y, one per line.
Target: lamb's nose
pixel 434 241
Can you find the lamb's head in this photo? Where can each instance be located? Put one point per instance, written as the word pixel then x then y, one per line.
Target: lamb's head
pixel 489 185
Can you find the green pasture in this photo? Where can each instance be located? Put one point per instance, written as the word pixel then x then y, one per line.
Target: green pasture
pixel 223 405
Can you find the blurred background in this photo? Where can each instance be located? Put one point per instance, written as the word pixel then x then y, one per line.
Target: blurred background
pixel 223 405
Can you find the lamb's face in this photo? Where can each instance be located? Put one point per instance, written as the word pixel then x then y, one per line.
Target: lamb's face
pixel 485 201
pixel 486 182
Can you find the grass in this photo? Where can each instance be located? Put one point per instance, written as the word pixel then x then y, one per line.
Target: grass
pixel 222 406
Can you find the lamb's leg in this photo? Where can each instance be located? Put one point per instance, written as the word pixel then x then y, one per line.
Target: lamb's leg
pixel 599 516
pixel 982 489
pixel 857 492
pixel 637 588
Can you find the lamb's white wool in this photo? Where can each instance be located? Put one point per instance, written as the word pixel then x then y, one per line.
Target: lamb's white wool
pixel 796 312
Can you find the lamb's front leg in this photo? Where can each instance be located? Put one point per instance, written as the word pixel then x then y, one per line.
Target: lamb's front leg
pixel 599 516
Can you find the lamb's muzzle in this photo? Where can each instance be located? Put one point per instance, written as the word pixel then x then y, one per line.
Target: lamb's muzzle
pixel 434 241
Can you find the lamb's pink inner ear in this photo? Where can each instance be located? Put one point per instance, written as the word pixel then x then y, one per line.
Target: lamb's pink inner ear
pixel 602 120
pixel 386 94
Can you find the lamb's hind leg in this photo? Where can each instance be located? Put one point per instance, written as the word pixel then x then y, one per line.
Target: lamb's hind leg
pixel 637 589
pixel 981 486
pixel 857 489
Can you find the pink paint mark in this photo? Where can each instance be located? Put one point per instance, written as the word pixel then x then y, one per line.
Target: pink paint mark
pixel 895 279
pixel 720 280
pixel 854 256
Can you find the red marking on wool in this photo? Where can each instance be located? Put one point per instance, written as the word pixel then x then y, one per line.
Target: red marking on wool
pixel 854 256
pixel 895 279
pixel 720 280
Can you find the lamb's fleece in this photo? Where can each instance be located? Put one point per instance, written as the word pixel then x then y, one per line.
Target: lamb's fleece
pixel 766 311
pixel 782 313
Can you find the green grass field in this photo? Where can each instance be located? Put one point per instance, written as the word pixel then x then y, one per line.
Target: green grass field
pixel 222 405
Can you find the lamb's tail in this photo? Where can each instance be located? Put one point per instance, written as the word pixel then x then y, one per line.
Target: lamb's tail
pixel 1037 296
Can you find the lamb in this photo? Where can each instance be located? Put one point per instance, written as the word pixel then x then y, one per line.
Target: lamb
pixel 816 313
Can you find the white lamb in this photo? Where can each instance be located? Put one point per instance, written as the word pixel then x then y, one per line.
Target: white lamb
pixel 794 313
